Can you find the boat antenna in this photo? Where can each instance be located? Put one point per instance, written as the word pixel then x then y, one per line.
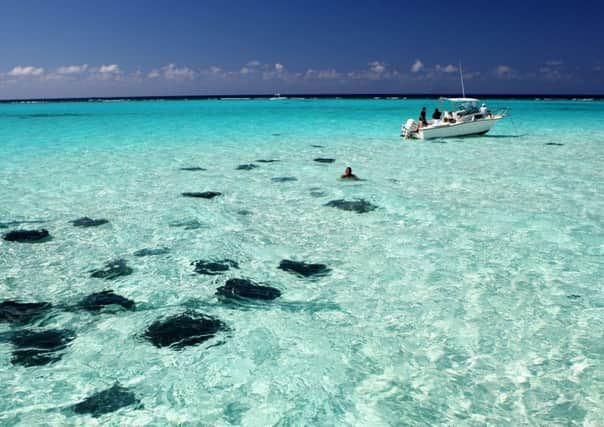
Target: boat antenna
pixel 463 89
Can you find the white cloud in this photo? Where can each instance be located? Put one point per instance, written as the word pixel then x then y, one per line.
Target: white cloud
pixel 471 75
pixel 554 74
pixel 504 71
pixel 450 68
pixel 105 72
pixel 377 67
pixel 25 71
pixel 52 76
pixel 153 74
pixel 375 71
pixel 550 73
pixel 137 76
pixel 215 70
pixel 251 68
pixel 172 72
pixel 278 71
pixel 328 74
pixel 417 66
pixel 72 69
pixel 109 69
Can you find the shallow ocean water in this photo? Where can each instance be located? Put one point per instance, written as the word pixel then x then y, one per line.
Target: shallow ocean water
pixel 473 294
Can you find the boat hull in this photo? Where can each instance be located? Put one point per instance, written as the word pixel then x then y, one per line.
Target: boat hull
pixel 477 127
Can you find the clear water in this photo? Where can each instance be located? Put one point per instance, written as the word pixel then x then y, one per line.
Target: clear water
pixel 473 295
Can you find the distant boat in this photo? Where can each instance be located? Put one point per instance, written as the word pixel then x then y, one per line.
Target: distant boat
pixel 277 97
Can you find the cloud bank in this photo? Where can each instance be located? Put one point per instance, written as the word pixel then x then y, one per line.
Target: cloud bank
pixel 255 76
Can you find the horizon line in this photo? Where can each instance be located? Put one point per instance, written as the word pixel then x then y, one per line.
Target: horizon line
pixel 378 95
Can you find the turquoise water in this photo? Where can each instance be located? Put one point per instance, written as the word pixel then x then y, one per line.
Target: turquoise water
pixel 473 295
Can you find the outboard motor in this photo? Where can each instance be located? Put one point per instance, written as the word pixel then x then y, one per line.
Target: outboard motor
pixel 409 128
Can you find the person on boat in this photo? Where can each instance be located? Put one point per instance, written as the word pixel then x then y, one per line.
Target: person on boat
pixel 485 111
pixel 437 114
pixel 422 118
pixel 348 174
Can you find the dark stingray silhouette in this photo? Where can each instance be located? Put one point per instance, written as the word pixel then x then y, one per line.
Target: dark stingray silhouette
pixel 183 330
pixel 106 401
pixel 304 269
pixel 358 206
pixel 28 236
pixel 244 289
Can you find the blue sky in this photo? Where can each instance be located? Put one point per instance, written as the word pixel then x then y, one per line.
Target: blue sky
pixel 69 48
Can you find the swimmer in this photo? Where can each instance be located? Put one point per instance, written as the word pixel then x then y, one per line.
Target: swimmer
pixel 348 174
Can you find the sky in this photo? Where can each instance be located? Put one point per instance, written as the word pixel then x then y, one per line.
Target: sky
pixel 65 48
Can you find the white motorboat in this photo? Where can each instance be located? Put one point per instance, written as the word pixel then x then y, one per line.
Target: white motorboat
pixel 464 119
pixel 277 97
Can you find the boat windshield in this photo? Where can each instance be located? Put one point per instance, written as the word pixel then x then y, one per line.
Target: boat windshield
pixel 463 106
pixel 466 107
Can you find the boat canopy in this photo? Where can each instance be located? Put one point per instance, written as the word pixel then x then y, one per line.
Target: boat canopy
pixel 462 100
